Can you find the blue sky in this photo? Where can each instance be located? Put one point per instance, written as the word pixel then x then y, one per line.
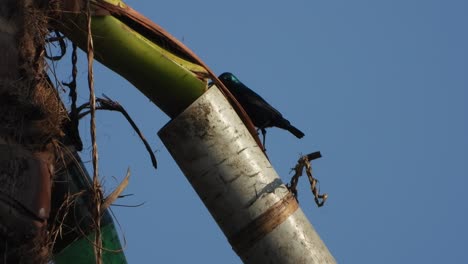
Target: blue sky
pixel 379 87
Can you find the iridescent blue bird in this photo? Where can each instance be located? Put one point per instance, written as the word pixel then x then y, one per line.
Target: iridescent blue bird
pixel 263 115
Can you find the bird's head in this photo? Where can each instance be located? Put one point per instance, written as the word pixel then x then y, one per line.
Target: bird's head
pixel 228 77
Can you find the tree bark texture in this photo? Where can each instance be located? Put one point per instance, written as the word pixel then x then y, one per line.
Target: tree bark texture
pixel 31 116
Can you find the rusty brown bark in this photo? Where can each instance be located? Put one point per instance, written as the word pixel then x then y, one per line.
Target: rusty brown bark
pixel 30 127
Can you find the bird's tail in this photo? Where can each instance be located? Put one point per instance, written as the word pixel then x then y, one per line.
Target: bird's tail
pixel 296 132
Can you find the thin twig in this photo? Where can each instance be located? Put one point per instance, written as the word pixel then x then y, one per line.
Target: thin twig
pixel 304 162
pixel 74 117
pixel 108 104
pixel 115 106
pixel 92 101
pixel 126 205
pixel 63 48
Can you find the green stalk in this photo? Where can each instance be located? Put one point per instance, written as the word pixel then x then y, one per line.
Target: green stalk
pixel 164 78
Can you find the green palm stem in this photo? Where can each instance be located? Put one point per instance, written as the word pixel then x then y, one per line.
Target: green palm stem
pixel 165 78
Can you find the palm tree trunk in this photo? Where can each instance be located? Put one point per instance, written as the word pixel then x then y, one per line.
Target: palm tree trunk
pixel 30 127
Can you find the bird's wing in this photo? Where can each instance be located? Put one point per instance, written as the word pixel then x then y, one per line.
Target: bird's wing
pixel 258 102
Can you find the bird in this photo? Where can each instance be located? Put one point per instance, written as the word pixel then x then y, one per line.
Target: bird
pixel 261 113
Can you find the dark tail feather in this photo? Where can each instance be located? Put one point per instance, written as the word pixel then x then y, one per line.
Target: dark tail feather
pixel 295 131
pixel 285 124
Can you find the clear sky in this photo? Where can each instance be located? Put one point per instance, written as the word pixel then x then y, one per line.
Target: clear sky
pixel 379 87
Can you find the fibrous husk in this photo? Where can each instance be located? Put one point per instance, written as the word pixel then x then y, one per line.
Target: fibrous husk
pixel 30 123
